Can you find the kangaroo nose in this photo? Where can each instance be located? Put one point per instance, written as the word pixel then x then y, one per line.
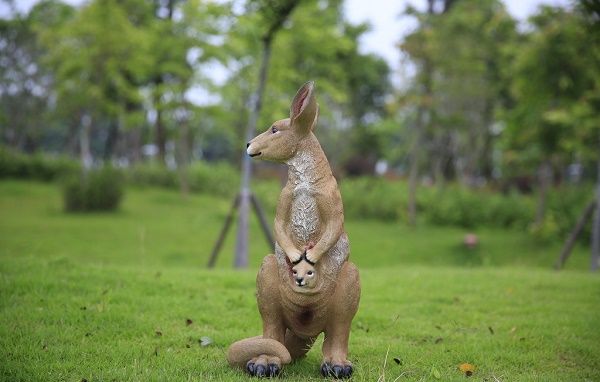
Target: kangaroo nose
pixel 247 144
pixel 299 280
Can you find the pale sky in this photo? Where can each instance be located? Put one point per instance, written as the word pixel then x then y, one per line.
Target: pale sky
pixel 384 16
pixel 388 27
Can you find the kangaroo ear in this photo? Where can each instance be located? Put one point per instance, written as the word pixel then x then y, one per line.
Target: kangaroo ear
pixel 304 109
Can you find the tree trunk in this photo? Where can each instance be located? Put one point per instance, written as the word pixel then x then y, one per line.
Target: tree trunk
pixel 570 243
pixel 84 142
pixel 161 135
pixel 136 145
pixel 241 246
pixel 111 140
pixel 422 112
pixel 545 178
pixel 183 159
pixel 413 174
pixel 596 224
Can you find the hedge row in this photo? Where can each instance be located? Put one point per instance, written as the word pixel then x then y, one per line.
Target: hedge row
pixel 371 198
pixel 38 167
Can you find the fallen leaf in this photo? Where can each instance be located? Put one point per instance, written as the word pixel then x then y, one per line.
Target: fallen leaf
pixel 438 340
pixel 435 372
pixel 205 341
pixel 398 361
pixel 513 329
pixel 188 322
pixel 158 333
pixel 467 369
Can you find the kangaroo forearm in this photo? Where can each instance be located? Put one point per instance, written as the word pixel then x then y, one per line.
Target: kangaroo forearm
pixel 328 239
pixel 283 239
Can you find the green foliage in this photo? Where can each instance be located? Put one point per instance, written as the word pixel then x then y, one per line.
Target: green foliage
pixel 554 71
pixel 38 167
pixel 471 209
pixel 93 190
pixel 453 205
pixel 151 174
pixel 374 198
pixel 214 179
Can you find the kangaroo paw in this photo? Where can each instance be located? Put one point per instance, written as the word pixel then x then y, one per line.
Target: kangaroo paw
pixel 337 370
pixel 264 367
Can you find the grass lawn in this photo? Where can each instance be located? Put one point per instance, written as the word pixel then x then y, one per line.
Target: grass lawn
pixel 105 297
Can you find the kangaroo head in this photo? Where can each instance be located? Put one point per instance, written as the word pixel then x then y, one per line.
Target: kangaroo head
pixel 304 274
pixel 281 140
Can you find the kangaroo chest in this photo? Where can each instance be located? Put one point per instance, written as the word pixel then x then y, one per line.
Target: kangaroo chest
pixel 304 212
pixel 304 216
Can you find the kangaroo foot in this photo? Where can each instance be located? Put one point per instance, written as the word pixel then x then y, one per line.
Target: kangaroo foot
pixel 264 366
pixel 338 370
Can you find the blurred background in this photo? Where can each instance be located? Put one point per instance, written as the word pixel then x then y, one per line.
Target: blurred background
pixel 461 132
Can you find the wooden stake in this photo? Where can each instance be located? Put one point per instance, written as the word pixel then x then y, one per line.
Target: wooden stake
pixel 570 243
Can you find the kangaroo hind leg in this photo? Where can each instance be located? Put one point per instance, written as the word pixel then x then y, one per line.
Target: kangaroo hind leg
pixel 297 346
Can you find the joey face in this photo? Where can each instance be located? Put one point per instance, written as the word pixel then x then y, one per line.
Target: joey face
pixel 304 275
pixel 280 141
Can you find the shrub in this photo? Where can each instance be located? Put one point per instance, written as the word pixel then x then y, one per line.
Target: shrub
pixel 37 167
pixel 95 190
pixel 373 198
pixel 215 179
pixel 152 175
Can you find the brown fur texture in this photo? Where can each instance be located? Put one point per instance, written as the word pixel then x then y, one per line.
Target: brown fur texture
pixel 308 286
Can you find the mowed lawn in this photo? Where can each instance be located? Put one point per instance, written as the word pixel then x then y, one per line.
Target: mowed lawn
pixel 126 296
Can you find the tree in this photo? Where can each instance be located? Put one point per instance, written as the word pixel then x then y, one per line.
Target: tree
pixel 551 73
pixel 25 82
pixel 97 58
pixel 419 46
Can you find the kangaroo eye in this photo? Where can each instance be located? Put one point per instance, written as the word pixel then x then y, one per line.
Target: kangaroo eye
pixel 274 130
pixel 310 273
pixel 294 271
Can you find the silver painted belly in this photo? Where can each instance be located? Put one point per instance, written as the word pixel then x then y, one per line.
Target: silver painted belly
pixel 305 216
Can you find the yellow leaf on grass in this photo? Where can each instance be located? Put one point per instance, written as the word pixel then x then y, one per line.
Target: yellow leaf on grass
pixel 467 368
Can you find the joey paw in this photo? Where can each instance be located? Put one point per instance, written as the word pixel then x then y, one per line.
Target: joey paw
pixel 294 256
pixel 311 257
pixel 336 371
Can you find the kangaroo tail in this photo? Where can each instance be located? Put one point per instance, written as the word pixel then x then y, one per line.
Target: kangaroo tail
pixel 242 351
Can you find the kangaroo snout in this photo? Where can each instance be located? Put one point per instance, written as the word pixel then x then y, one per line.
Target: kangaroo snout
pixel 299 281
pixel 250 151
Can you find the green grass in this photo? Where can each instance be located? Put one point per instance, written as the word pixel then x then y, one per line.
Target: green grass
pixel 85 296
pixel 159 228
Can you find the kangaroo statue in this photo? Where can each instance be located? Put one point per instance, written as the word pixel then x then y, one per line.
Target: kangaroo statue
pixel 308 286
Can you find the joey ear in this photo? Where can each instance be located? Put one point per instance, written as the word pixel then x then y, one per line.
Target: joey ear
pixel 304 109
